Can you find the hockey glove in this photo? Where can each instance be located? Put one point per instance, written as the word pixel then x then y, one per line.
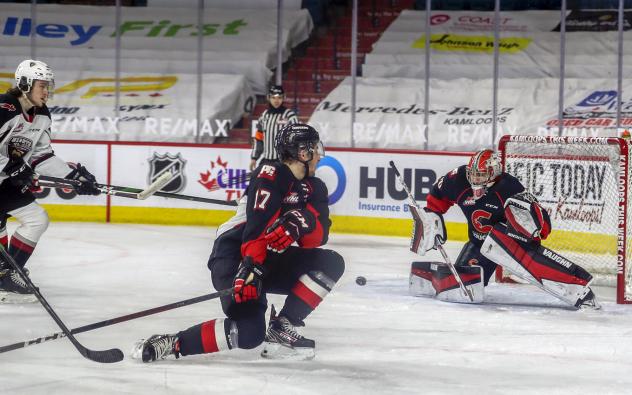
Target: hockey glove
pixel 88 181
pixel 248 281
pixel 288 228
pixel 20 174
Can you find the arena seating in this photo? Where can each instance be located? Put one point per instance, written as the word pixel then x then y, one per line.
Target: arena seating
pixel 79 43
pixel 461 70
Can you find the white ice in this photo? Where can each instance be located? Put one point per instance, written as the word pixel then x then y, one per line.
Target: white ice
pixel 371 339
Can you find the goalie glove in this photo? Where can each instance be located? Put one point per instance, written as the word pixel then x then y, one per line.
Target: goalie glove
pixel 525 216
pixel 428 230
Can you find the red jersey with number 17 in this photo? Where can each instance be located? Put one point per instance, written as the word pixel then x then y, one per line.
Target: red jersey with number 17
pixel 273 190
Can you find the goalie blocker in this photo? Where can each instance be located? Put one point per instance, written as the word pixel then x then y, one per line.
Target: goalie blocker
pixel 428 230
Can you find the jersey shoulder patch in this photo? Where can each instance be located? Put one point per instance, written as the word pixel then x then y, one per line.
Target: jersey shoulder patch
pixel 8 107
pixel 268 172
pixel 452 185
pixel 9 104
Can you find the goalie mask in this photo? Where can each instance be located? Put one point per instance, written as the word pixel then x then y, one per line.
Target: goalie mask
pixel 30 71
pixel 482 171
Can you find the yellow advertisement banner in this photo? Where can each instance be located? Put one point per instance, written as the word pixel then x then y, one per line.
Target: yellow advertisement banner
pixel 456 42
pixel 105 85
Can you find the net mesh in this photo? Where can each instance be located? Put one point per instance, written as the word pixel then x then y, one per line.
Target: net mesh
pixel 577 181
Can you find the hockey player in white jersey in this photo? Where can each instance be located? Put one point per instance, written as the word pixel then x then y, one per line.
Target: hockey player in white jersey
pixel 25 149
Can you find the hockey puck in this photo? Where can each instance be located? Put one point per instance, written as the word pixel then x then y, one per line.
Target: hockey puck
pixel 360 280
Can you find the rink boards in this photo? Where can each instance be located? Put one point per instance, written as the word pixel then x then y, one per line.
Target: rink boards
pixel 364 194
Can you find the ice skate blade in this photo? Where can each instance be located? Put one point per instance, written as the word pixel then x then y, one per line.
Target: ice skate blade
pixel 278 351
pixel 14 298
pixel 137 350
pixel 590 306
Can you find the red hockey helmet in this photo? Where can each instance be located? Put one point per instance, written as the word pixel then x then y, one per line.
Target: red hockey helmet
pixel 483 170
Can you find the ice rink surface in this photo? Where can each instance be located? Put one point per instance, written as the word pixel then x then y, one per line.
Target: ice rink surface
pixel 372 339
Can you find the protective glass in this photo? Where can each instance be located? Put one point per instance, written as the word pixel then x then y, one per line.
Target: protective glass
pixel 320 148
pixel 311 147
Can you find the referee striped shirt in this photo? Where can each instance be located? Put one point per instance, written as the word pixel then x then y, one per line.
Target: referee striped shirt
pixel 271 121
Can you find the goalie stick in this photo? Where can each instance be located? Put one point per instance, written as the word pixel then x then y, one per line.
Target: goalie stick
pixel 105 356
pixel 116 320
pixel 418 212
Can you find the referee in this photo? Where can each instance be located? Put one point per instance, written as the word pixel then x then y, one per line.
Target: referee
pixel 273 119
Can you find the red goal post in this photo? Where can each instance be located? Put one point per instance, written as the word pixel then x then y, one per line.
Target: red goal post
pixel 583 182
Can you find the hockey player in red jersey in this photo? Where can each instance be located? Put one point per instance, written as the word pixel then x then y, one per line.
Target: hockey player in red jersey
pixel 25 149
pixel 505 227
pixel 254 254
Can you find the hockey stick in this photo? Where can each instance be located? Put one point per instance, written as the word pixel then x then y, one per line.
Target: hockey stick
pixel 140 194
pixel 117 320
pixel 439 247
pixel 54 182
pixel 106 356
pixel 197 199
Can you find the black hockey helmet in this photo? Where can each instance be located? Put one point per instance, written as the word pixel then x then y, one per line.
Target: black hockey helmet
pixel 276 90
pixel 294 138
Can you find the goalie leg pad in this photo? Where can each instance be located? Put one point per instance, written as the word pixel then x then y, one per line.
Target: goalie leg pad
pixel 420 281
pixel 435 279
pixel 537 265
pixel 471 255
pixel 448 288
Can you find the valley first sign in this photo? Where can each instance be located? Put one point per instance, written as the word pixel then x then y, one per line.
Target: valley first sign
pixel 77 34
pixel 80 26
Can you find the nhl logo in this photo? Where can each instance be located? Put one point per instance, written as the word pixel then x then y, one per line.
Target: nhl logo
pixel 159 164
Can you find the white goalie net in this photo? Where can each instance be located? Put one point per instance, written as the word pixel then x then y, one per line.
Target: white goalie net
pixel 583 184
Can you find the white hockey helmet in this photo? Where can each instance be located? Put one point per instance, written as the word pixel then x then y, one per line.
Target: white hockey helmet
pixel 31 70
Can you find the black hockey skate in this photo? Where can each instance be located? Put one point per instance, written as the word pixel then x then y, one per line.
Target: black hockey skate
pixel 156 347
pixel 13 289
pixel 282 341
pixel 588 302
